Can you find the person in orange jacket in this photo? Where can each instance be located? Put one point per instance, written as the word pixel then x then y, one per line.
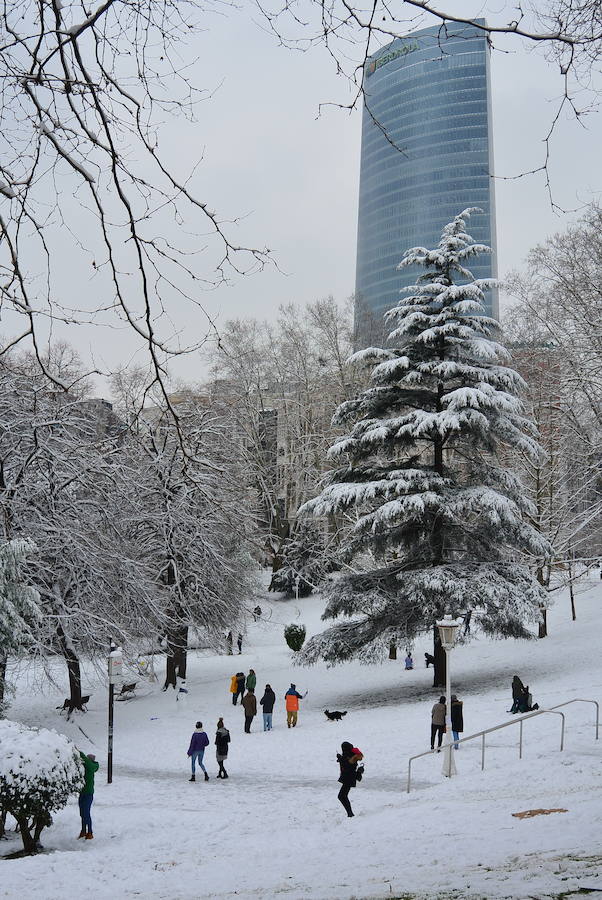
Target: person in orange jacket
pixel 291 700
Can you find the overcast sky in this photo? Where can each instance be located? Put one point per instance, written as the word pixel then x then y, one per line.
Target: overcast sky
pixel 270 156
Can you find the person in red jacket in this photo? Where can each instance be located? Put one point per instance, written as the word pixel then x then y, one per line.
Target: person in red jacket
pixel 291 701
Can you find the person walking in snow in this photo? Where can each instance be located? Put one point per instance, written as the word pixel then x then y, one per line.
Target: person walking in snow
pixel 237 686
pixel 222 739
pixel 348 759
pixel 267 704
pixel 249 701
pixel 251 680
pixel 457 719
pixel 196 751
pixel 437 722
pixel 291 701
pixel 229 640
pixel 239 642
pixel 518 693
pixel 86 796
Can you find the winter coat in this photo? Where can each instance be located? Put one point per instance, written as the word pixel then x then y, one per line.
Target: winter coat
pixel 457 719
pixel 198 741
pixel 251 681
pixel 240 680
pixel 291 699
pixel 249 701
pixel 90 767
pixel 234 685
pixel 268 700
pixel 222 739
pixel 348 766
pixel 438 714
pixel 518 688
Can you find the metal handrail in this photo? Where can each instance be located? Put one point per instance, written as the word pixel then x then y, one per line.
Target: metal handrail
pixel 582 700
pixel 481 734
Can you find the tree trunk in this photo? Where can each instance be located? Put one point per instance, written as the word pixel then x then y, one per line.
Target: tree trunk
pixel 74 671
pixel 544 579
pixel 439 667
pixel 543 623
pixel 3 664
pixel 571 592
pixel 2 822
pixel 392 651
pixel 29 842
pixel 177 644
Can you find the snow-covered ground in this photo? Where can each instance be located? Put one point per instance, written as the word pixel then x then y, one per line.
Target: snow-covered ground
pixel 276 827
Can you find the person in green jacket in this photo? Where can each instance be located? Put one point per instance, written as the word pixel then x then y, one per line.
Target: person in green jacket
pixel 251 680
pixel 87 794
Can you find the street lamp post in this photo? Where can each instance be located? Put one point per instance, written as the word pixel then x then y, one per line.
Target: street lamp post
pixel 115 666
pixel 448 628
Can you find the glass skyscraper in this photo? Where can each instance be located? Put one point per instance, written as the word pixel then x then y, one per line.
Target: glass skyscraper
pixel 426 156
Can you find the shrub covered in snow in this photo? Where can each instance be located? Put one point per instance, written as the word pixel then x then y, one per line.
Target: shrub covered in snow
pixel 39 770
pixel 295 636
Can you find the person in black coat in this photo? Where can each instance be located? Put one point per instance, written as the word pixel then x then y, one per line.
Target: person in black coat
pixel 457 718
pixel 267 704
pixel 518 693
pixel 222 739
pixel 348 760
pixel 240 687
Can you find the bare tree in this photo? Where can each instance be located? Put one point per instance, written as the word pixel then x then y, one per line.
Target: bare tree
pixel 190 528
pixel 555 329
pixel 569 32
pixel 282 384
pixel 83 180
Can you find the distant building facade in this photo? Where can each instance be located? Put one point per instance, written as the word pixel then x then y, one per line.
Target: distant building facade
pixel 426 155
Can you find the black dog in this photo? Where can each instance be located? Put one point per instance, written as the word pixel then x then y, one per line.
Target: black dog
pixel 334 716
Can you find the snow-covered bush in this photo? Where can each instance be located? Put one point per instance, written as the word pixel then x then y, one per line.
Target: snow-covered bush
pixel 295 636
pixel 39 770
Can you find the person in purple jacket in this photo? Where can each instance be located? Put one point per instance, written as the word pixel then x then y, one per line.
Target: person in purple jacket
pixel 196 751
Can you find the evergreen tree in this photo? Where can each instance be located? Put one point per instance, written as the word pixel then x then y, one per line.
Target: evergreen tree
pixel 439 519
pixel 306 560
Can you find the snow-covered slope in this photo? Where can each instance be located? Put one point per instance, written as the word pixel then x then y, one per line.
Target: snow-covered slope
pixel 276 827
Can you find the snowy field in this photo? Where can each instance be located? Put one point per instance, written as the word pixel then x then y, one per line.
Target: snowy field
pixel 276 828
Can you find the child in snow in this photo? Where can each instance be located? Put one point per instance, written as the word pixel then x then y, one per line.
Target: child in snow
pixel 348 778
pixel 222 739
pixel 86 795
pixel 429 659
pixel 196 751
pixel 409 662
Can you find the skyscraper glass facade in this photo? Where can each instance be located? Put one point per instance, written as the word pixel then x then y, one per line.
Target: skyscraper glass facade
pixel 426 156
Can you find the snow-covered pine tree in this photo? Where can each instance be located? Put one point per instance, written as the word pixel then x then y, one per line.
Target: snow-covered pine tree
pixel 439 519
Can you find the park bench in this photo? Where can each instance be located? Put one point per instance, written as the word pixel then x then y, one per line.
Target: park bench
pixel 127 691
pixel 69 706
